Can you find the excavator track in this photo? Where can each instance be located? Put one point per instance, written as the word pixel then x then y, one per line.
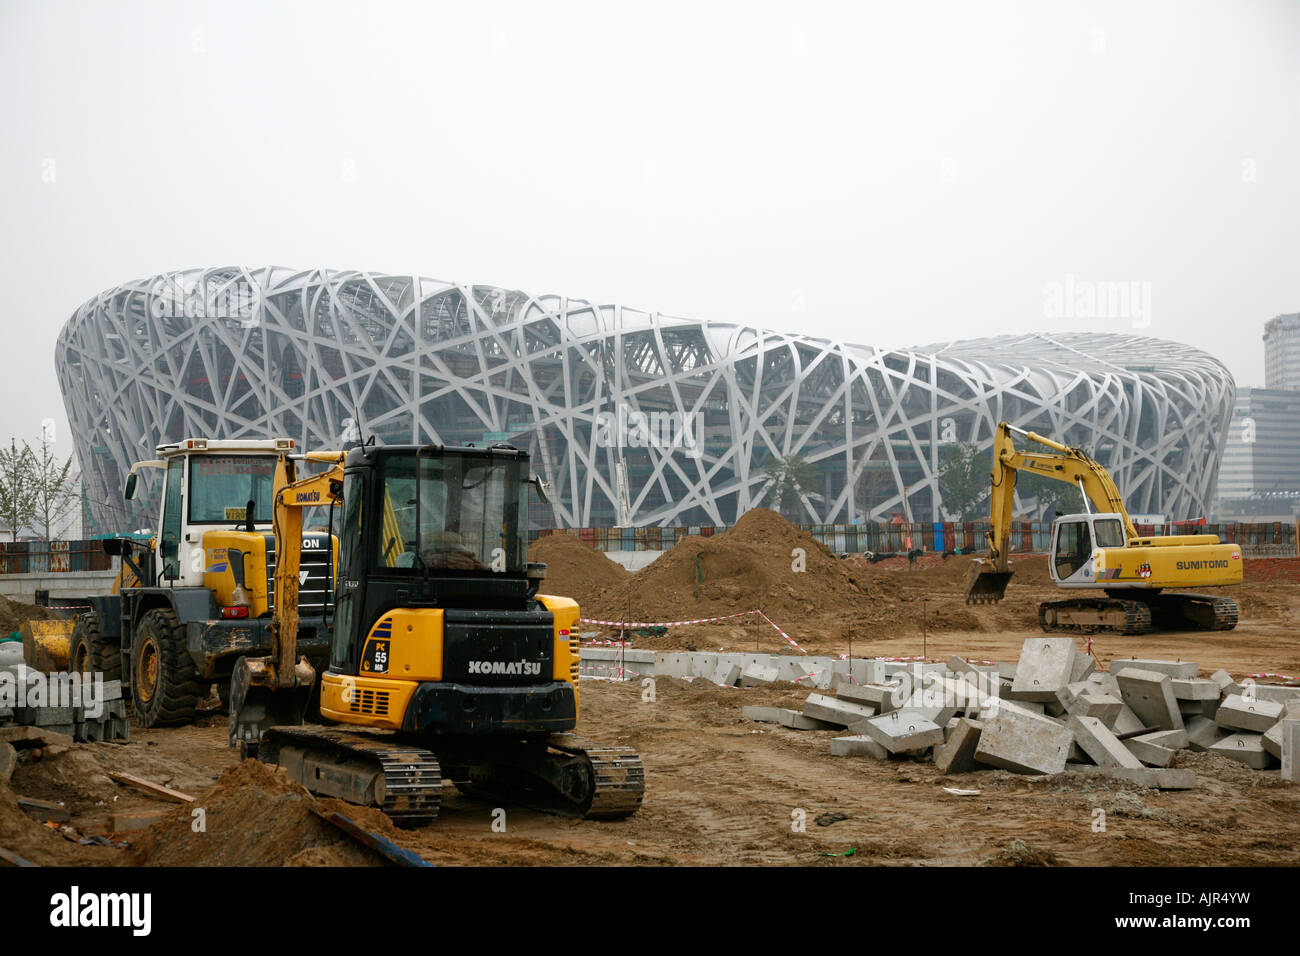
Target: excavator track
pixel 618 774
pixel 1193 612
pixel 380 770
pixel 1093 615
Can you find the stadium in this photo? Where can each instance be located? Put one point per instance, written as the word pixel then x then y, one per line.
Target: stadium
pixel 633 418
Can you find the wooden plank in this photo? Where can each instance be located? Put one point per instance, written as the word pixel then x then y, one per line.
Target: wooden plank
pixel 47 810
pixel 148 786
pixel 380 844
pixel 13 859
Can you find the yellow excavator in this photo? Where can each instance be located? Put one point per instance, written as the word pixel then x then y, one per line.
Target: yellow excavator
pixel 445 662
pixel 1101 549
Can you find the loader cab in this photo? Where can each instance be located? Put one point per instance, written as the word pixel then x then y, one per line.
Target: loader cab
pixel 1076 539
pixel 207 486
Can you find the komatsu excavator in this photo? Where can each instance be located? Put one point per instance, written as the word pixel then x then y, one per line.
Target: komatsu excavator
pixel 445 662
pixel 1102 549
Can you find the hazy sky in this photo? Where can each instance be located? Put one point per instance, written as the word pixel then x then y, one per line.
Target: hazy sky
pixel 886 173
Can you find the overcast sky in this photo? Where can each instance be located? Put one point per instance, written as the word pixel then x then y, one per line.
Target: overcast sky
pixel 882 173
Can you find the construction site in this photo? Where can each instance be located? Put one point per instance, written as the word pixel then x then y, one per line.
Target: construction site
pixel 790 706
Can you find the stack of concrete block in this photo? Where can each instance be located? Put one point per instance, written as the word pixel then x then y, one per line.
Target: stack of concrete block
pixel 61 706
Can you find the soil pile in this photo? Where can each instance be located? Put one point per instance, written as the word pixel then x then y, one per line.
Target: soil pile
pixel 254 816
pixel 762 562
pixel 14 613
pixel 576 570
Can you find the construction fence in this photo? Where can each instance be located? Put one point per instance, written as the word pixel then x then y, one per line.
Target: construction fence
pixel 1274 540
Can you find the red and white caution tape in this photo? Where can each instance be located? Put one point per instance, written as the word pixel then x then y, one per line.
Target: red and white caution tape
pixel 702 620
pixel 1272 677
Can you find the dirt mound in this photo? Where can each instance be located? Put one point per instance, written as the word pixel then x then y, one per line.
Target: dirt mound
pixel 14 613
pixel 576 570
pixel 254 816
pixel 754 565
pixel 74 777
pixel 28 838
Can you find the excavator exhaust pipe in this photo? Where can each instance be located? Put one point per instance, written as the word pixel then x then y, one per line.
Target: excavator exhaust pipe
pixel 258 701
pixel 985 584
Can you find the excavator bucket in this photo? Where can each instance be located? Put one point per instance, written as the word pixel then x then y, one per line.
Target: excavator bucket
pixel 985 584
pixel 258 701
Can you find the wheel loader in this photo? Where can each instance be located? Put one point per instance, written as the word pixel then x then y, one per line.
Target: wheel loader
pixel 445 662
pixel 1102 550
pixel 196 596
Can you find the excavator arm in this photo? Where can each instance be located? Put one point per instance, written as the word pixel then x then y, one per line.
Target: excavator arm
pixel 265 691
pixel 988 578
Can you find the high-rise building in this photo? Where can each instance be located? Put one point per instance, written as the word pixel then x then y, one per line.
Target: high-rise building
pixel 1282 352
pixel 1260 475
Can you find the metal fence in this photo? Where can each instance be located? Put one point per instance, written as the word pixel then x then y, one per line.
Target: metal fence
pixel 1277 539
pixel 52 557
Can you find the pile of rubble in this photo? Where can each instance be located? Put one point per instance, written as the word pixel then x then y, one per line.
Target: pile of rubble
pixel 1052 712
pixel 83 708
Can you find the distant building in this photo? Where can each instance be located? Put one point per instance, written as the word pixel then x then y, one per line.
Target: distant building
pixel 1282 352
pixel 633 418
pixel 1259 478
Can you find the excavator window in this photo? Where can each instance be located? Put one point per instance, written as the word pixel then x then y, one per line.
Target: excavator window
pixel 1073 547
pixel 1109 532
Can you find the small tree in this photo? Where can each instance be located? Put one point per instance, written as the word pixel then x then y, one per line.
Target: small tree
pixel 55 488
pixel 963 479
pixel 791 478
pixel 17 487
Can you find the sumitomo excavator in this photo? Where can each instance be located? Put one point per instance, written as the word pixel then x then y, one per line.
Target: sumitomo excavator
pixel 445 662
pixel 1101 549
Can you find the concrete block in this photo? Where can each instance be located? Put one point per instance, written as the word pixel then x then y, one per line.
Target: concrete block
pixel 88 731
pixel 1096 740
pixel 797 721
pixel 118 728
pixel 858 745
pixel 957 753
pixel 1007 670
pixel 703 665
pixel 756 675
pixel 48 716
pixel 1225 682
pixel 1195 688
pixel 902 731
pixel 1084 664
pixel 1275 693
pixel 1127 721
pixel 832 710
pixel 1238 713
pixel 931 706
pixel 676 664
pixel 1105 682
pixel 1198 708
pixel 1023 742
pixel 1102 706
pixel 1182 669
pixel 1150 694
pixel 1153 778
pixel 1045 666
pixel 1272 739
pixel 878 696
pixel 1158 749
pixel 1291 750
pixel 1203 733
pixel 1245 748
pixel 726 675
pixel 766 715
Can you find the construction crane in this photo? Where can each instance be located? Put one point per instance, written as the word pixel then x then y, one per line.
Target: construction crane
pixel 445 661
pixel 1101 549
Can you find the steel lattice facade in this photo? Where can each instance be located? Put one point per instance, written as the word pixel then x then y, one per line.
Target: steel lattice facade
pixel 632 417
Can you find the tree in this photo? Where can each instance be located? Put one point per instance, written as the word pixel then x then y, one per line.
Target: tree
pixel 17 487
pixel 55 488
pixel 791 478
pixel 1050 495
pixel 963 479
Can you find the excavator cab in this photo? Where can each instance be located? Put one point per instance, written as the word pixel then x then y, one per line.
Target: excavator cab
pixel 1076 539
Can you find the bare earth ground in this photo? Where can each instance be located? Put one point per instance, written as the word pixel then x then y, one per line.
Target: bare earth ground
pixel 724 790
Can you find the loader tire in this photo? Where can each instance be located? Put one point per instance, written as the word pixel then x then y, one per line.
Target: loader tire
pixel 165 685
pixel 91 652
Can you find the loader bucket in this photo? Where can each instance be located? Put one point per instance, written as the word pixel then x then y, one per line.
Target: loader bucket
pixel 257 702
pixel 985 584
